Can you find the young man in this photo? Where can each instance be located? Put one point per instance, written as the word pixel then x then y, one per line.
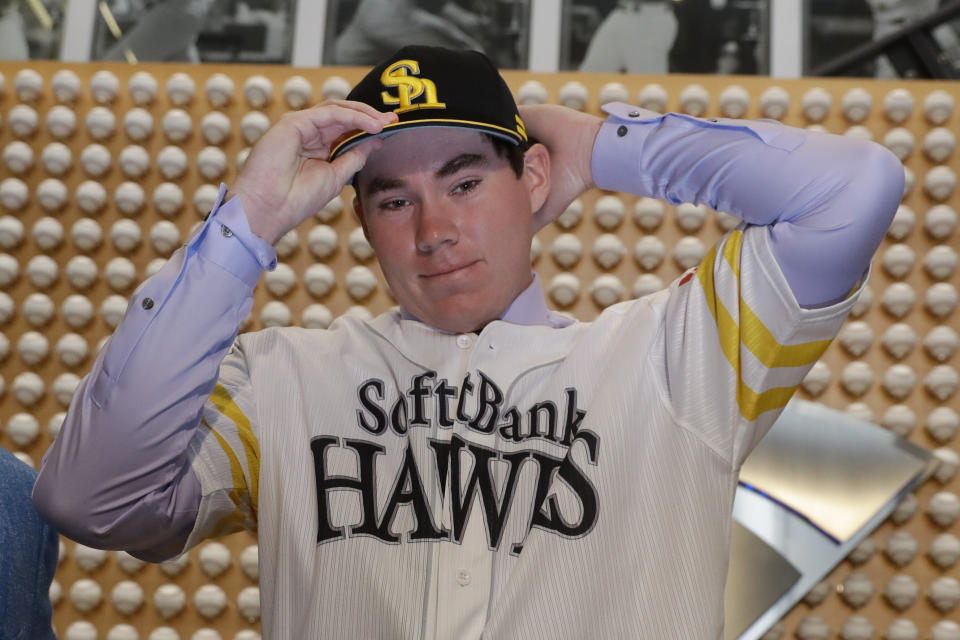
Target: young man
pixel 471 463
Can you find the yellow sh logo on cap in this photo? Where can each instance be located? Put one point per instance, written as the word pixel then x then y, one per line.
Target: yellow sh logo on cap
pixel 409 87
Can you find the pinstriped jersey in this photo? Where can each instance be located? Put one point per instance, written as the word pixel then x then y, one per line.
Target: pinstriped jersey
pixel 522 482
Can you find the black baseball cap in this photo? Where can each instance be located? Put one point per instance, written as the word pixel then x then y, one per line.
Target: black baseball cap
pixel 438 87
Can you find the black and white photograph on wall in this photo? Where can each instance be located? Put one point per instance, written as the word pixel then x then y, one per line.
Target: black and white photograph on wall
pixel 254 31
pixel 31 30
pixel 363 32
pixel 838 27
pixel 666 36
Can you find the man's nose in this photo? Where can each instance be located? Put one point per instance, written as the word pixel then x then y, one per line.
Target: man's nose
pixel 436 227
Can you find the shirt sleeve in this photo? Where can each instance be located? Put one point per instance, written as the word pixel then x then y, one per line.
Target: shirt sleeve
pixel 828 200
pixel 120 474
pixel 734 343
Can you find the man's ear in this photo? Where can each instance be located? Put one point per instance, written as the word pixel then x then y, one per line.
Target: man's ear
pixel 358 212
pixel 536 173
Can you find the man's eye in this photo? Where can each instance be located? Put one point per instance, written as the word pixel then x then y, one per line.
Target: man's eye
pixel 396 203
pixel 465 186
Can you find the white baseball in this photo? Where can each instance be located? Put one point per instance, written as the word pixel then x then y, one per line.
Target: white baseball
pixel 275 314
pixel 215 127
pixel 315 316
pixel 813 627
pixel 177 125
pixel 281 280
pixel 9 269
pixel 948 462
pixel 85 595
pixel 56 158
pixel 360 282
pixel 258 90
pixel 856 104
pixel 120 273
pixel 902 223
pixel 180 89
pixel 42 271
pixel 23 429
pixel 653 97
pixel 164 633
pixel 318 279
pixel 172 162
pixel 38 309
pixel 123 632
pixel 80 630
pixel 645 284
pixel 142 87
pixel 211 162
pixel 690 217
pixel 688 252
pixel 941 382
pixel 164 237
pixel 900 141
pixel 944 509
pixel 88 558
pixel 322 241
pixel 101 123
pixel 153 267
pixel 65 85
pixel 856 337
pixel 938 144
pixel 564 289
pixel 95 160
pixel 566 250
pixel 56 423
pixel 606 290
pixel 214 559
pixel 129 198
pixel 253 125
pixel 125 235
pixel 532 92
pixel 138 124
pixel 899 340
pixel 287 244
pixel 572 215
pixel 248 603
pixel 938 107
pixel 857 589
pixel 734 101
pixel 71 349
pixel 898 299
pixel 694 100
pixel 168 198
pixel 608 250
pixel 86 235
pixel 898 260
pixel 104 86
pixel 23 120
pixel 11 232
pixel 941 343
pixel 945 593
pixel 613 92
pixel 358 245
pixel 608 212
pixel 77 311
pixel 940 182
pixel 816 104
pixel 774 102
pixel 898 105
pixel 649 252
pixel 944 551
pixel 899 381
pixel 901 592
pixel 330 211
pixel 941 299
pixel 902 629
pixel 940 221
pixel 6 313
pixel 175 566
pixel 28 85
pixel 573 94
pixel 169 600
pixel 942 424
pixel 204 198
pixel 297 92
pixel 27 388
pixel 335 88
pixel 18 156
pixel 940 262
pixel 64 386
pixel 61 121
pixel 219 89
pixel 91 196
pixel 134 161
pixel 900 419
pixel 52 194
pixel 127 563
pixel 33 347
pixel 14 194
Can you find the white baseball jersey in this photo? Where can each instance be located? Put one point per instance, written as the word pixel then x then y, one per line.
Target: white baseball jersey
pixel 523 482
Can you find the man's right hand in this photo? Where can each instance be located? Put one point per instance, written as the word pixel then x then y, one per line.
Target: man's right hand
pixel 287 178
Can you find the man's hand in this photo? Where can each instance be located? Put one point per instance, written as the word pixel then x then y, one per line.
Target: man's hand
pixel 569 136
pixel 287 177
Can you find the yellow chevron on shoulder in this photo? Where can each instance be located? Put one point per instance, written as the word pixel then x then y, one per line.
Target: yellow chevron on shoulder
pixel 753 335
pixel 226 405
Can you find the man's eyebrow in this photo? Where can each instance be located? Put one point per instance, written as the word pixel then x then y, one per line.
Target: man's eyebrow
pixel 462 161
pixel 380 184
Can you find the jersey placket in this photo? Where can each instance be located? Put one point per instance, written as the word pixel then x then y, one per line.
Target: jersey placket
pixel 463 571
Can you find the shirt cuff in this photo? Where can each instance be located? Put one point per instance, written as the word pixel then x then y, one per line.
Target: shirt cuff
pixel 618 147
pixel 228 242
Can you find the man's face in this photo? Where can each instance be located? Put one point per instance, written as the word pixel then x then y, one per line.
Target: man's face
pixel 451 223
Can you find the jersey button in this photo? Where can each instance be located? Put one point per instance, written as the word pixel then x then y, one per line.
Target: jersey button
pixel 464 341
pixel 463 577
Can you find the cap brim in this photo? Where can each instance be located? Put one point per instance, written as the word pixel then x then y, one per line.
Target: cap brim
pixel 354 139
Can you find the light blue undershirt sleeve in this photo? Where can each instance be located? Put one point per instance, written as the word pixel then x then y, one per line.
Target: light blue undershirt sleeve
pixel 827 199
pixel 118 475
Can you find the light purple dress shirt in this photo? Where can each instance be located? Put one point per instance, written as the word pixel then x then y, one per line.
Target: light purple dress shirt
pixel 119 474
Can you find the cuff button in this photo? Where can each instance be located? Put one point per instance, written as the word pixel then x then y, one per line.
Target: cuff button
pixel 147 303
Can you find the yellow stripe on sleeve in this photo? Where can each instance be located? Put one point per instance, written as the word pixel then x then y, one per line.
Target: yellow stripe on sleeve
pixel 251 448
pixel 752 334
pixel 236 520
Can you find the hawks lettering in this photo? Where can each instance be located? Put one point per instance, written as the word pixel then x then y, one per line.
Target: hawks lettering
pixel 452 475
